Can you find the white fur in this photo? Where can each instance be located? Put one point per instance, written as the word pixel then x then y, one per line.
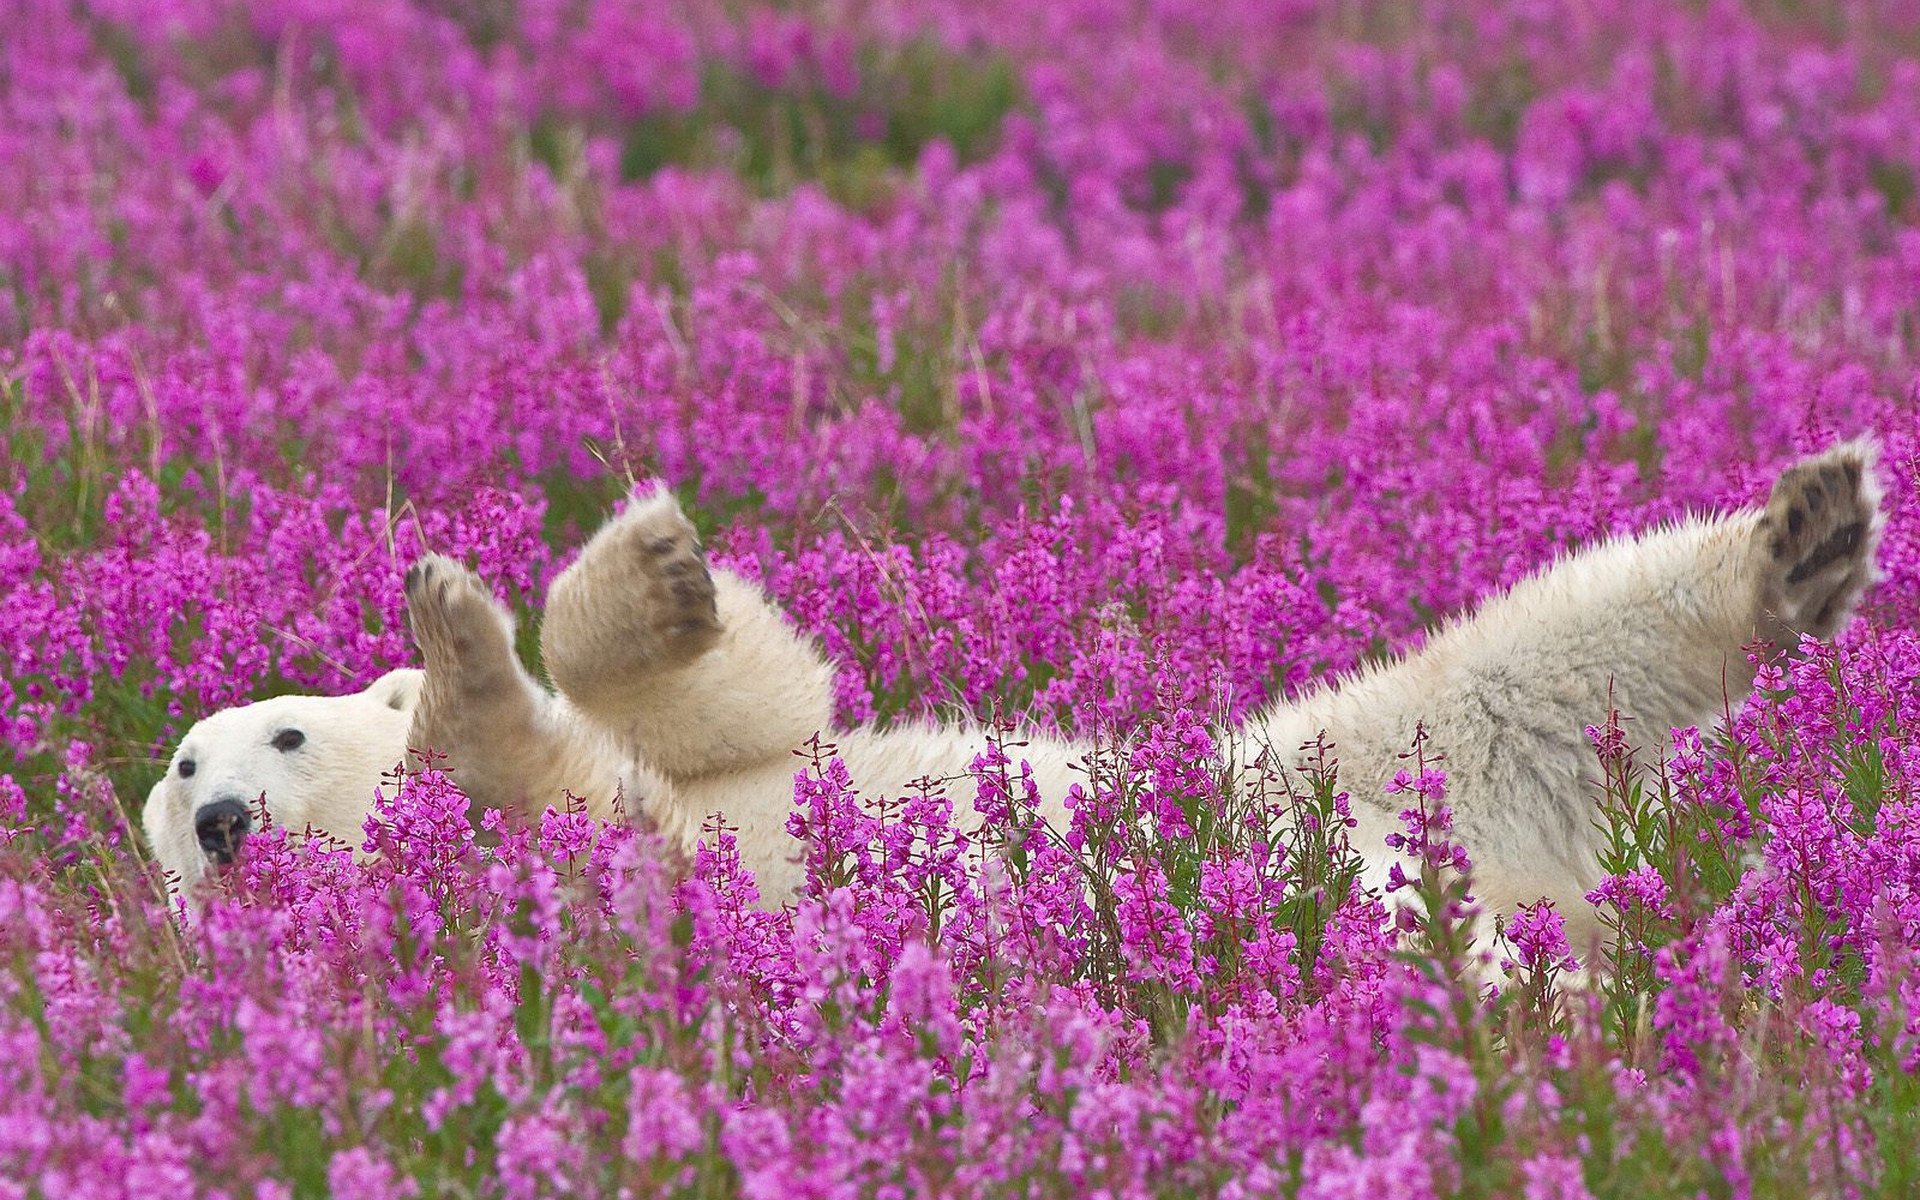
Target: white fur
pixel 326 785
pixel 685 693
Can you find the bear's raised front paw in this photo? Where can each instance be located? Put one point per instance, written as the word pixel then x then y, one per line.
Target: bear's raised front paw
pixel 1820 530
pixel 464 634
pixel 639 598
pixel 668 563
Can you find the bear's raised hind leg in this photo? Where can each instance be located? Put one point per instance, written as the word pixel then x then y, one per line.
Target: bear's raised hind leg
pixel 1815 544
pixel 1656 627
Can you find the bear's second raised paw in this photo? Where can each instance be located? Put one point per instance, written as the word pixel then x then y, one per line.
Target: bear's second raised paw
pixel 1818 535
pixel 640 598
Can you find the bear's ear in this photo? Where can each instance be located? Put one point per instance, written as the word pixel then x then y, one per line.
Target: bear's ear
pixel 398 690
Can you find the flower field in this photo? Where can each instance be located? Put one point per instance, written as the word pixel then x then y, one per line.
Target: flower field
pixel 1113 368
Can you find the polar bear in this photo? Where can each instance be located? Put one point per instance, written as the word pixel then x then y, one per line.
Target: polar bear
pixel 315 759
pixel 682 692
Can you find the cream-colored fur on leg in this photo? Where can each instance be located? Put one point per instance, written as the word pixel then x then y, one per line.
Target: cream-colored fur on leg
pixel 681 688
pixel 693 670
pixel 507 741
pixel 1658 626
pixel 687 690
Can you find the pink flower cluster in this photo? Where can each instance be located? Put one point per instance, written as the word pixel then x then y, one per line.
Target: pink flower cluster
pixel 1112 374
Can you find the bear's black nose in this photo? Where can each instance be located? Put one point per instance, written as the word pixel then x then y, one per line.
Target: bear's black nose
pixel 221 827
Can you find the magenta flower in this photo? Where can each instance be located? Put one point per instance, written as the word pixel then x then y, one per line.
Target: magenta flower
pixel 1054 373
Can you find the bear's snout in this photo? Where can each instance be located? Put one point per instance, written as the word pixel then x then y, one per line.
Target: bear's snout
pixel 221 826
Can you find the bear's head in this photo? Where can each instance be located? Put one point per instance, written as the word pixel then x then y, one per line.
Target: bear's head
pixel 313 761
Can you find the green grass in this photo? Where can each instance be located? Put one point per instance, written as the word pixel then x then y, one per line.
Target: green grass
pixel 776 137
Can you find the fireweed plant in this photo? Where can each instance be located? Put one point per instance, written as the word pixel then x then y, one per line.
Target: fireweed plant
pixel 1107 374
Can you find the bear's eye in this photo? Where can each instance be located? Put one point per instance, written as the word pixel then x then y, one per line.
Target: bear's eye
pixel 289 739
pixel 187 768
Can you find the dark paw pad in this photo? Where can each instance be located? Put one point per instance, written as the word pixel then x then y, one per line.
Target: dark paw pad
pixel 1842 544
pixel 1819 531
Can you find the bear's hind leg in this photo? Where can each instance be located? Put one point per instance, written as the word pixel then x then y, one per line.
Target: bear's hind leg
pixel 1815 544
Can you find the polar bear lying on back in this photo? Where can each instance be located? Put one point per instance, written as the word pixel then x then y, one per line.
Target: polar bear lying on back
pixel 684 691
